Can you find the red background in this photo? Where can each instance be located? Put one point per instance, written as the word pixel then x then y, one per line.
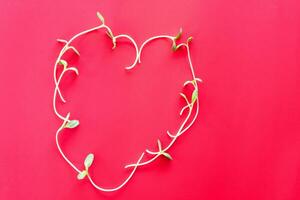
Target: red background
pixel 244 145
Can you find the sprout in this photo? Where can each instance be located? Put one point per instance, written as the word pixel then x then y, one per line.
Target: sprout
pixel 64 63
pixel 101 18
pixel 178 34
pixel 72 124
pixel 87 163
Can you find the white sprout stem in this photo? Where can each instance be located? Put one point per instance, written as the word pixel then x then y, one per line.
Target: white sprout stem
pixel 153 38
pixel 190 62
pixel 195 84
pixel 54 96
pixel 183 109
pixel 59 148
pixel 194 119
pixel 182 128
pixel 122 184
pixel 136 49
pixel 55 71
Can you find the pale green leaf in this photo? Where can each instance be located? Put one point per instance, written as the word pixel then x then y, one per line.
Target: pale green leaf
pixel 81 175
pixel 167 155
pixel 194 95
pixel 72 124
pixel 189 39
pixel 178 34
pixel 100 17
pixel 63 62
pixel 174 46
pixel 88 160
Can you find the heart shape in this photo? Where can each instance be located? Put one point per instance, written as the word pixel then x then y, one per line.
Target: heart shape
pixel 73 123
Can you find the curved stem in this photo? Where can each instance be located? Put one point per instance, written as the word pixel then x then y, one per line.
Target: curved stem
pixel 142 163
pixel 54 97
pixel 195 85
pixel 56 89
pixel 58 146
pixel 183 109
pixel 152 152
pixel 136 49
pixel 154 38
pixel 55 69
pixel 194 119
pixel 122 184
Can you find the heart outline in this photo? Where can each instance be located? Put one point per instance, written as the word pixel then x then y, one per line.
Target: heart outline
pixel 67 123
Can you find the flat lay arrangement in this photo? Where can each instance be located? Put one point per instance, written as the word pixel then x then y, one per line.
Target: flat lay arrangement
pixel 192 102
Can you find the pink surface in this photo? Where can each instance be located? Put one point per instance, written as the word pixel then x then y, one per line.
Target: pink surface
pixel 244 145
